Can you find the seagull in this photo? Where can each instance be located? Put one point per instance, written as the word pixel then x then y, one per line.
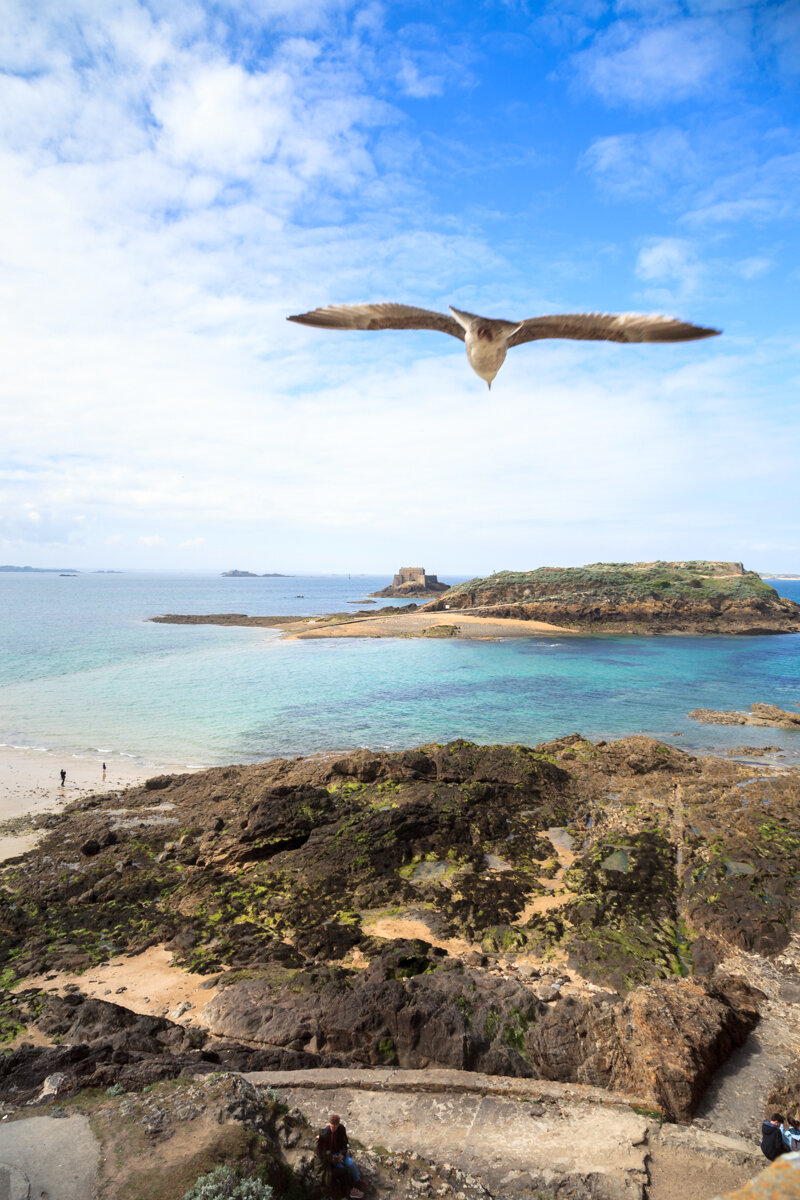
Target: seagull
pixel 488 339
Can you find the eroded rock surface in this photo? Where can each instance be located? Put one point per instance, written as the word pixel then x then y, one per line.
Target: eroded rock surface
pixel 569 904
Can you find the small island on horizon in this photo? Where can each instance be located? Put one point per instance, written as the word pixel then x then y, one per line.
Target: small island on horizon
pixel 39 570
pixel 254 575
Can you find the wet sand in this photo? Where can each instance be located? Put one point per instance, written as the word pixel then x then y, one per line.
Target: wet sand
pixel 414 625
pixel 30 786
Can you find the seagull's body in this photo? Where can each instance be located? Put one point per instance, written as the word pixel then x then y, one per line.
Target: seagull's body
pixel 489 339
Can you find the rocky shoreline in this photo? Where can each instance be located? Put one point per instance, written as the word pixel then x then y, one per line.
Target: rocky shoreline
pixel 563 912
pixel 631 598
pixel 760 715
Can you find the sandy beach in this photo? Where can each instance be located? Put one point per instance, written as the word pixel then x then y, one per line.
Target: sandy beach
pixel 414 624
pixel 30 785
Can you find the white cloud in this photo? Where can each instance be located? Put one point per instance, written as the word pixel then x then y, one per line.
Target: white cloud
pixel 672 266
pixel 760 191
pixel 650 64
pixel 416 85
pixel 753 267
pixel 170 195
pixel 644 164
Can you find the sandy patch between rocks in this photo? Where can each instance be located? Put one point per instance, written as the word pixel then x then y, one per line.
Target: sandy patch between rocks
pixel 409 927
pixel 153 985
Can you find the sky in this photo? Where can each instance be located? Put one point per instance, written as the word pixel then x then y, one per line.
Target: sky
pixel 178 176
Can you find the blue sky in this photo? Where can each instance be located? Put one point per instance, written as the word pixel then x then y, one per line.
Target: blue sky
pixel 178 177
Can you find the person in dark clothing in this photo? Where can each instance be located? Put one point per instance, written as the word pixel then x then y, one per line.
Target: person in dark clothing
pixel 334 1152
pixel 63 776
pixel 772 1143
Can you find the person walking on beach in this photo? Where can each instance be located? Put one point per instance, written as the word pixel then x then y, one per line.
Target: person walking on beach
pixel 334 1155
pixel 104 772
pixel 63 776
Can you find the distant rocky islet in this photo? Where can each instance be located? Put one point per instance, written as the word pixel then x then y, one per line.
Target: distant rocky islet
pixel 412 582
pixel 254 575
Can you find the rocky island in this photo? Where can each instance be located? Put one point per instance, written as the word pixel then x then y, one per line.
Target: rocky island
pixel 655 597
pixel 254 575
pixel 412 582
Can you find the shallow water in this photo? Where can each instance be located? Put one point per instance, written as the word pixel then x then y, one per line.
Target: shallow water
pixel 82 669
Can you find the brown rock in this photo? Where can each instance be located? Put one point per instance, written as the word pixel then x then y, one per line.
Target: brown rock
pixel 760 714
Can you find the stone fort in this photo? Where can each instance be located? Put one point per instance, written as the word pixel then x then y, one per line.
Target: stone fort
pixel 415 577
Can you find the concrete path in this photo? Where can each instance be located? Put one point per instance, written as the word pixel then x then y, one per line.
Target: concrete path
pixel 48 1158
pixel 736 1100
pixel 520 1137
pixel 439 1079
pixel 511 1146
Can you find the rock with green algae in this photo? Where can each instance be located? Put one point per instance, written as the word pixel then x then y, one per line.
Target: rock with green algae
pixel 282 872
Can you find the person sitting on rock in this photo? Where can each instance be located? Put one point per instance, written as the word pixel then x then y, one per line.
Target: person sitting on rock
pixel 772 1143
pixel 334 1153
pixel 790 1133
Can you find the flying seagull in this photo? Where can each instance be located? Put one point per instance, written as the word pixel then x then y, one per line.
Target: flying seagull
pixel 488 339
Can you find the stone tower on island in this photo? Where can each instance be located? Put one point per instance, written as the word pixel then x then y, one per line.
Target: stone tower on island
pixel 412 581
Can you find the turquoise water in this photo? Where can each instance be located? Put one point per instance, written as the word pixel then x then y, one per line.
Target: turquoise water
pixel 81 669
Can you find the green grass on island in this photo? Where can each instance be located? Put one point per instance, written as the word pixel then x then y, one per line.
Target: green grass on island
pixel 696 580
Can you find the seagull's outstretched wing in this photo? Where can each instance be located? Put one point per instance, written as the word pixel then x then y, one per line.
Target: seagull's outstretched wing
pixel 609 327
pixel 379 316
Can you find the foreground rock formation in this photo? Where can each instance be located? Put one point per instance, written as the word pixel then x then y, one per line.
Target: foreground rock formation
pixel 555 913
pixel 660 597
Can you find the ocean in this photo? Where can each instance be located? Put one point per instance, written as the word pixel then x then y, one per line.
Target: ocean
pixel 82 670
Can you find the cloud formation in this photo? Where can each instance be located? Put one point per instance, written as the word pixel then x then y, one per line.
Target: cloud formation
pixel 179 177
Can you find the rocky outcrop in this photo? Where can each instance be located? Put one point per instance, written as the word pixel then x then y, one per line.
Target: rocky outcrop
pixel 98 1044
pixel 689 597
pixel 663 1043
pixel 414 1007
pixel 273 622
pixel 631 862
pixel 760 714
pixel 220 619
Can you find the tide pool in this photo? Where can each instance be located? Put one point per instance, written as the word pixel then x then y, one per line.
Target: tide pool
pixel 83 670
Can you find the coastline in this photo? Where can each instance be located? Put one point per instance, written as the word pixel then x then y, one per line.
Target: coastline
pixel 30 786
